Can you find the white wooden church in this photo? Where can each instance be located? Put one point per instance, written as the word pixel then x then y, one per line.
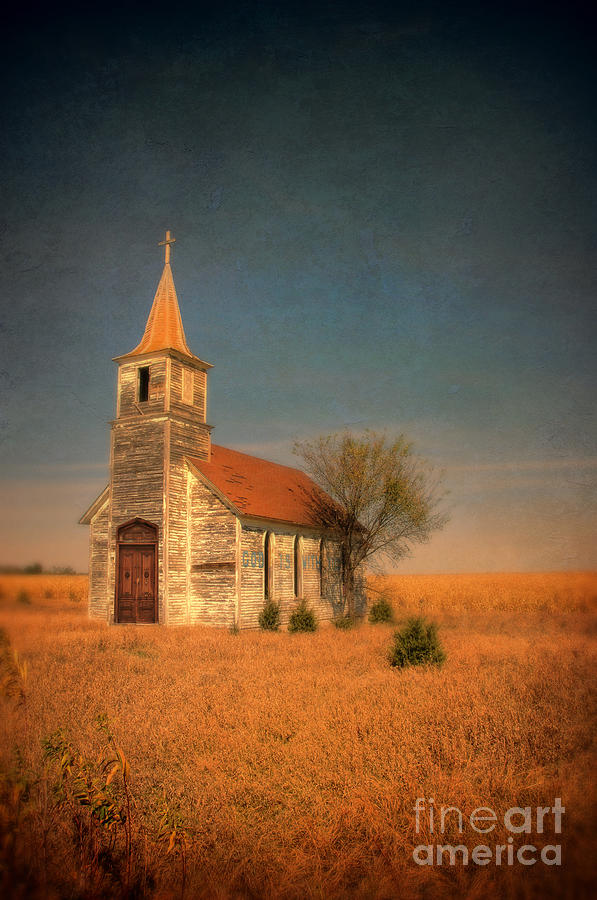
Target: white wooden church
pixel 188 532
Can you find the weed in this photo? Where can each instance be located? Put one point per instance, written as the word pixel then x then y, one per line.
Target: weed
pixel 141 652
pixel 416 644
pixel 381 610
pixel 344 623
pixel 24 598
pixel 302 618
pixel 269 617
pixel 173 832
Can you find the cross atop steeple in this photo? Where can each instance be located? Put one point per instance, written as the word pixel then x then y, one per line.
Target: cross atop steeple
pixel 164 326
pixel 164 330
pixel 166 243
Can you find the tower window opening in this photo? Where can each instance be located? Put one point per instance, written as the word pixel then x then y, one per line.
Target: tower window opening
pixel 143 384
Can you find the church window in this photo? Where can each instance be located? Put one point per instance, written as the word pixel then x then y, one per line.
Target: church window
pixel 321 567
pixel 298 567
pixel 143 384
pixel 268 567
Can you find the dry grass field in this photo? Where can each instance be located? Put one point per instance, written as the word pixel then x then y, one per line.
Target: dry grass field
pixel 263 765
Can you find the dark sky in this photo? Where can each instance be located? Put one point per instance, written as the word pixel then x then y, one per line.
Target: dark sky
pixel 385 218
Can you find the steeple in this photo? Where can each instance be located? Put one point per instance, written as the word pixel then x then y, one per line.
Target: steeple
pixel 164 330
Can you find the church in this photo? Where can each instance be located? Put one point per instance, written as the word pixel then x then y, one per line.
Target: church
pixel 189 532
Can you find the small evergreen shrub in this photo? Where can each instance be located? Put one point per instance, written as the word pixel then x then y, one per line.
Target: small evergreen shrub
pixel 302 619
pixel 24 598
pixel 381 611
pixel 416 644
pixel 344 623
pixel 269 617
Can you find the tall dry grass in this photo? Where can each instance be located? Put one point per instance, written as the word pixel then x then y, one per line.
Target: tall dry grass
pixel 51 592
pixel 291 763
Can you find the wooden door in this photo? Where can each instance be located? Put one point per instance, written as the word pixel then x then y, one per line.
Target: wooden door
pixel 136 585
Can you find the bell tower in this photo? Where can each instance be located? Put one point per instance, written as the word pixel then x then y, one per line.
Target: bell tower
pixel 160 417
pixel 161 374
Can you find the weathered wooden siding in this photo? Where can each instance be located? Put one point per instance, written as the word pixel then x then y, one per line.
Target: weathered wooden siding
pixel 127 388
pixel 98 564
pixel 252 597
pixel 311 564
pixel 197 408
pixel 283 576
pixel 330 577
pixel 183 437
pixel 253 574
pixel 322 605
pixel 137 488
pixel 150 441
pixel 213 555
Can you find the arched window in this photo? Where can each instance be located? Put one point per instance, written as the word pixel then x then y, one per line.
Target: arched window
pixel 298 566
pixel 268 565
pixel 322 567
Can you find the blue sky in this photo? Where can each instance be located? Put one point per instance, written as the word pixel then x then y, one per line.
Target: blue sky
pixel 384 220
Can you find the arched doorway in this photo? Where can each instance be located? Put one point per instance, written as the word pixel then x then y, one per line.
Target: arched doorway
pixel 136 573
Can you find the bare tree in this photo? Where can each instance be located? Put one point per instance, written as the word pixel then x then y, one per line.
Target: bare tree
pixel 379 498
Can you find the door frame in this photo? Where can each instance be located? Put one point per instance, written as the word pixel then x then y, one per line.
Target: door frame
pixel 143 543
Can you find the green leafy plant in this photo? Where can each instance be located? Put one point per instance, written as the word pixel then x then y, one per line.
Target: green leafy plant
pixel 344 623
pixel 416 644
pixel 302 618
pixel 173 834
pixel 381 610
pixel 269 617
pixel 95 794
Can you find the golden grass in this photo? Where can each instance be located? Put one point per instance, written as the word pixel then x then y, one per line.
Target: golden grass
pixel 504 591
pixel 46 591
pixel 293 762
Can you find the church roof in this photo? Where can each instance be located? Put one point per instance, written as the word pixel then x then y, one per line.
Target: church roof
pixel 164 330
pixel 259 488
pixel 254 487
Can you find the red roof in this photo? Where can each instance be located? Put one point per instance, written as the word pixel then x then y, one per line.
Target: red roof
pixel 257 487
